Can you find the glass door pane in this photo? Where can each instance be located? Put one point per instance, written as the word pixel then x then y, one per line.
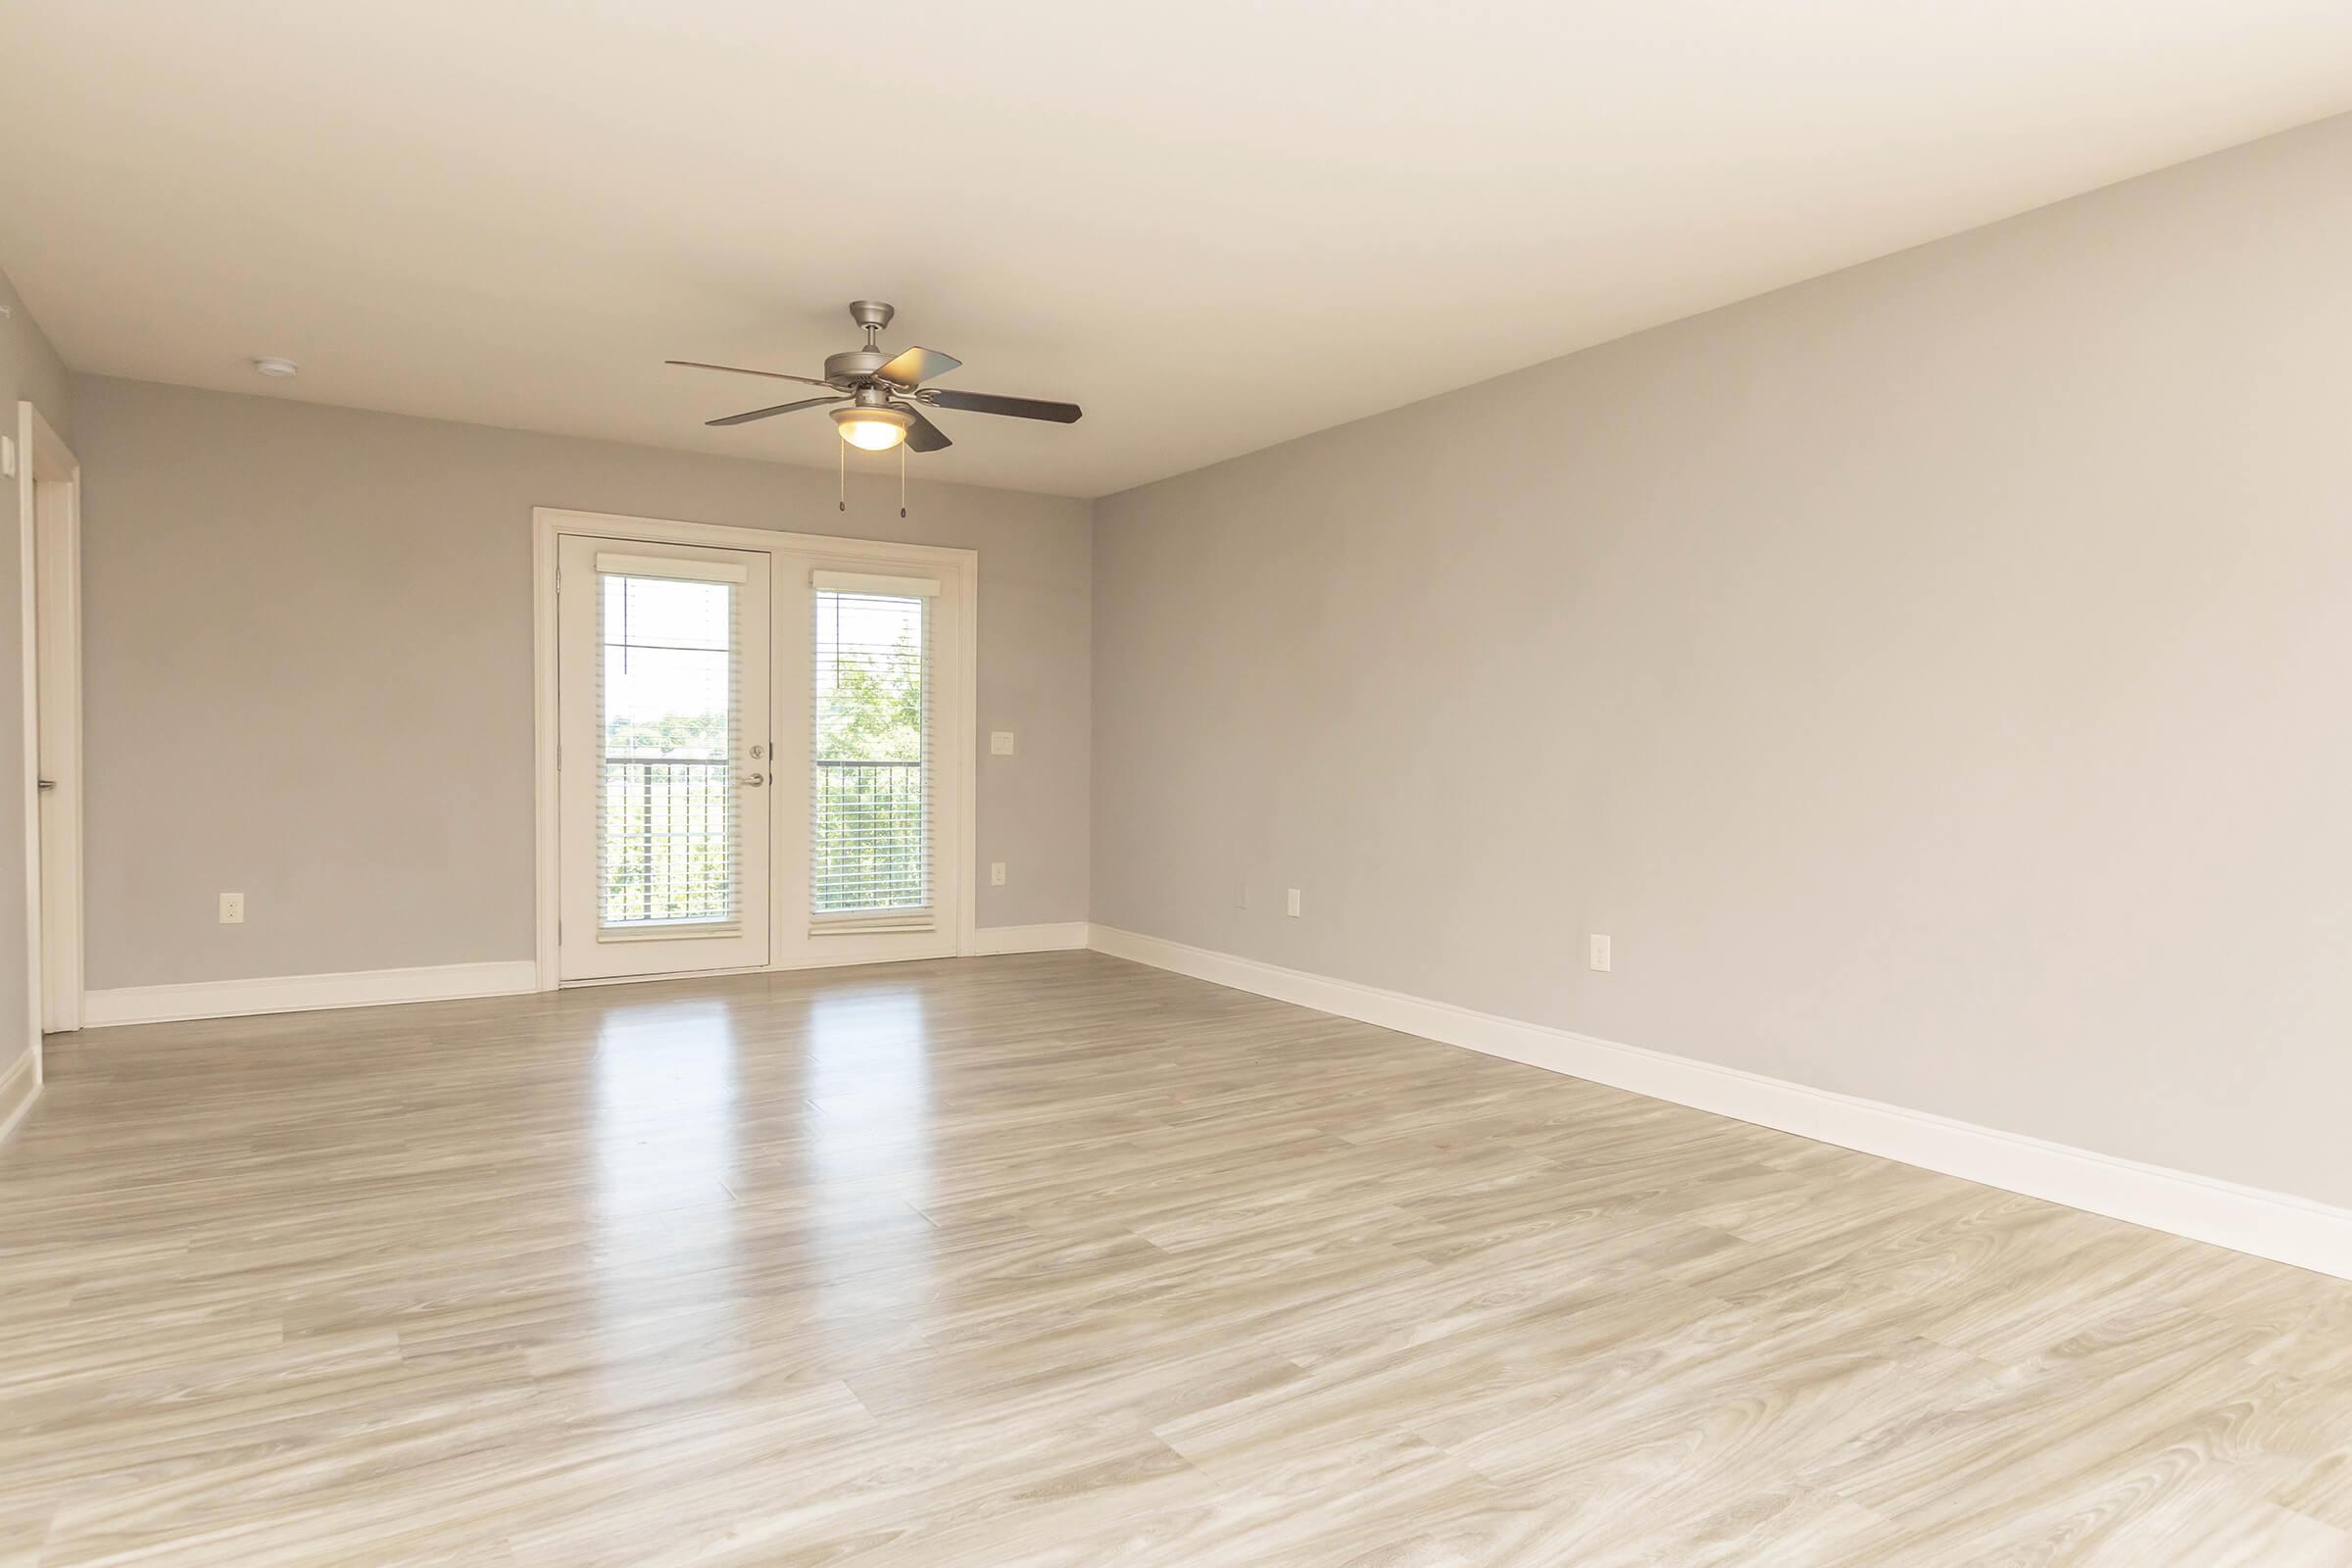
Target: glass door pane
pixel 670 705
pixel 871 783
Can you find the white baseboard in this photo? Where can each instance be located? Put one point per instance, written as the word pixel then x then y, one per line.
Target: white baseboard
pixel 2246 1219
pixel 1058 938
pixel 20 1087
pixel 371 988
pixel 302 993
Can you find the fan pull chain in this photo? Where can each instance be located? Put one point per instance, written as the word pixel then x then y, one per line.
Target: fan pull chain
pixel 842 450
pixel 901 478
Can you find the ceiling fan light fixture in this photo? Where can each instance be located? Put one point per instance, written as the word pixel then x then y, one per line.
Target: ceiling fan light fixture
pixel 874 429
pixel 865 386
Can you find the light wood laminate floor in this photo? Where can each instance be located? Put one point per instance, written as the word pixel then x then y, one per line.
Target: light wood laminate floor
pixel 1058 1260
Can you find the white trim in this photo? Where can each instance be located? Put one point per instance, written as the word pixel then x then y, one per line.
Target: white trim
pixel 305 993
pixel 28 420
pixel 2247 1219
pixel 967 768
pixel 547 852
pixel 945 563
pixel 734 536
pixel 20 1087
pixel 1056 938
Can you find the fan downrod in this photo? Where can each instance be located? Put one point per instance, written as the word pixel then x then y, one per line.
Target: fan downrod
pixel 872 315
pixel 846 368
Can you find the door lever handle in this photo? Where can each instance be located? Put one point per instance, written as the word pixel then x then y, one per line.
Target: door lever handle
pixel 755 781
pixel 48 783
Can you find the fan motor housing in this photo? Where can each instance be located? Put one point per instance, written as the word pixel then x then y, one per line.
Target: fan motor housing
pixel 854 365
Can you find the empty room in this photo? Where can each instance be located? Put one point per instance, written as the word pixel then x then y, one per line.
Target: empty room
pixel 1259 785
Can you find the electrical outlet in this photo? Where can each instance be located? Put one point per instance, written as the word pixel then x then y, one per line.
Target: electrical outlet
pixel 1600 954
pixel 996 874
pixel 999 743
pixel 1292 903
pixel 232 908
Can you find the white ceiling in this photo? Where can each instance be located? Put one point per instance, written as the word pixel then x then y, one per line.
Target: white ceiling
pixel 1217 223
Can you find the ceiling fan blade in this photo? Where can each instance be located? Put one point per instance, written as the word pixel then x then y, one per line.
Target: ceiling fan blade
pixel 923 435
pixel 773 376
pixel 1018 407
pixel 781 407
pixel 916 366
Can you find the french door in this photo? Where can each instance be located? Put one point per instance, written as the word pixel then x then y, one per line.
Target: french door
pixel 663 705
pixel 760 755
pixel 868 866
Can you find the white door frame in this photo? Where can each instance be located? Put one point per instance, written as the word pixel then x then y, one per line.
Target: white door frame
pixel 958 569
pixel 49 614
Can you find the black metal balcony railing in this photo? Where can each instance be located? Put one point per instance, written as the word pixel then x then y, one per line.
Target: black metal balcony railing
pixel 869 839
pixel 668 833
pixel 669 838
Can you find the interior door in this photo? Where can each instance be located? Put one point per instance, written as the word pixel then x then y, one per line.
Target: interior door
pixel 665 758
pixel 57 627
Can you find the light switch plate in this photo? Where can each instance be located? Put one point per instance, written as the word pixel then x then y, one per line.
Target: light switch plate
pixel 999 743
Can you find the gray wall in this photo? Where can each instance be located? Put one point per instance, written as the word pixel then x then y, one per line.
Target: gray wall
pixel 29 369
pixel 308 649
pixel 1937 678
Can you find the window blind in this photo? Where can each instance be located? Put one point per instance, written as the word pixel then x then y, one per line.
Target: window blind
pixel 669 707
pixel 871 812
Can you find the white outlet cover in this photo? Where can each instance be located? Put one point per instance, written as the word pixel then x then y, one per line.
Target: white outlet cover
pixel 996 874
pixel 999 743
pixel 1600 954
pixel 232 908
pixel 8 457
pixel 1294 902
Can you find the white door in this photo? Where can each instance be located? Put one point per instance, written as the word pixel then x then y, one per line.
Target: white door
pixel 664 759
pixel 57 627
pixel 871 848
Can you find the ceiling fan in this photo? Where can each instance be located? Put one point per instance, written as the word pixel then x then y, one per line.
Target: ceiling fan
pixel 875 396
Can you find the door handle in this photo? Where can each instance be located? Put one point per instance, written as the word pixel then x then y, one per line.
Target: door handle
pixel 48 783
pixel 755 781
